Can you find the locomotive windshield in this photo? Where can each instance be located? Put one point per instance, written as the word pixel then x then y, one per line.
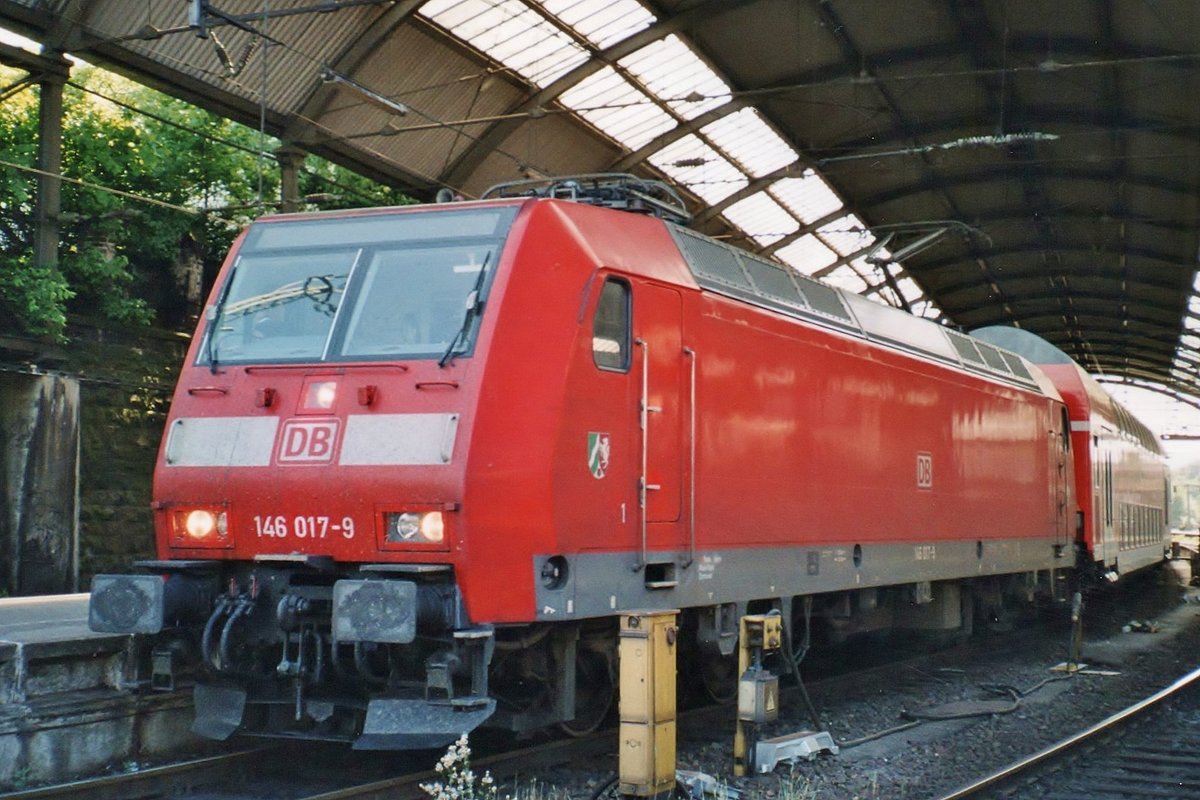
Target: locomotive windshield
pixel 385 286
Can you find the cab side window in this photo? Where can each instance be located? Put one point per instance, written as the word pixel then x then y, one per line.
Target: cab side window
pixel 611 327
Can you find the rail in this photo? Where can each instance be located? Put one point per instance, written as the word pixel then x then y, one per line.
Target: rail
pixel 1025 766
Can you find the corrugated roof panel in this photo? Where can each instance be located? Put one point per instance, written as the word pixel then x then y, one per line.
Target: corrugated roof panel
pixel 601 22
pixel 806 254
pixel 292 70
pixel 808 196
pixel 690 162
pixel 512 33
pixel 672 72
pixel 616 107
pixel 846 235
pixel 750 141
pixel 844 277
pixel 762 218
pixel 443 95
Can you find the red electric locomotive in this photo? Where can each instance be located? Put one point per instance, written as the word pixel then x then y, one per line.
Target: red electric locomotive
pixel 419 458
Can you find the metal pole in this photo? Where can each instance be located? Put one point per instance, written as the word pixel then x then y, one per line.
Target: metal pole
pixel 49 187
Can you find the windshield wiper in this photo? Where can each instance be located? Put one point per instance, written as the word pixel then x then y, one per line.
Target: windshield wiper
pixel 474 304
pixel 214 315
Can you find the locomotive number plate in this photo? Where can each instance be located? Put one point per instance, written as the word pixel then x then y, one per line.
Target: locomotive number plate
pixel 302 527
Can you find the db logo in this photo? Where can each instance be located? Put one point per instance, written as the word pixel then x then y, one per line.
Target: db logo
pixel 924 470
pixel 307 441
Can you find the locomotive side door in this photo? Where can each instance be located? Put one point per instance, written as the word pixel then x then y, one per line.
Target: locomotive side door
pixel 658 366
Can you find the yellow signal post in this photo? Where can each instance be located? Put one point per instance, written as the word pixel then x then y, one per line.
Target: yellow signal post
pixel 647 655
pixel 758 688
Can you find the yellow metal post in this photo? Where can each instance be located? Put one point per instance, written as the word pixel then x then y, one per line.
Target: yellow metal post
pixel 647 701
pixel 758 701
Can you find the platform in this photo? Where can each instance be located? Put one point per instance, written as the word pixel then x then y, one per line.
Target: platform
pixel 70 699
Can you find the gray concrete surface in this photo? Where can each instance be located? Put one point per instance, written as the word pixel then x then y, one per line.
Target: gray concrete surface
pixel 49 618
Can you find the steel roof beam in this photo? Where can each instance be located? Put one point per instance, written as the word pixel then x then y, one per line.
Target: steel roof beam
pixel 990 174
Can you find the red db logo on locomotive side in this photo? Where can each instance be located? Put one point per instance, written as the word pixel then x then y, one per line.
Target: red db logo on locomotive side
pixel 307 441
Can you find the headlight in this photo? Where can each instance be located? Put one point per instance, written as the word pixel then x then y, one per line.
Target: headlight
pixel 416 527
pixel 200 527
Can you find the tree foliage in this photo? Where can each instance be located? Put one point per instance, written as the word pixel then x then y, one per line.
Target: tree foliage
pixel 117 254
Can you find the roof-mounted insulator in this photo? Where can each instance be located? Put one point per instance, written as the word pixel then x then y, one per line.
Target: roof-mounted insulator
pixel 608 189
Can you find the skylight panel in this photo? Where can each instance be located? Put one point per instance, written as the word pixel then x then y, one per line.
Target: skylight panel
pixel 846 278
pixel 601 22
pixel 807 255
pixel 672 72
pixel 808 196
pixel 1190 341
pixel 846 235
pixel 762 218
pixel 1191 323
pixel 613 105
pixel 512 33
pixel 692 163
pixel 1194 304
pixel 909 288
pixel 750 141
pixel 926 309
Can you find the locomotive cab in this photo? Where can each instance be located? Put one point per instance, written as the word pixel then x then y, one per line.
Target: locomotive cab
pixel 309 484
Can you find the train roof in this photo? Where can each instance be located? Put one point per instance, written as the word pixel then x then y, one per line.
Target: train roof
pixel 1037 350
pixel 732 272
pixel 739 274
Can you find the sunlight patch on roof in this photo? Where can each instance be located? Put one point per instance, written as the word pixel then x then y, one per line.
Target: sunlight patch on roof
pixel 617 108
pixel 512 33
pixel 806 254
pixel 672 72
pixel 601 22
pixel 808 196
pixel 750 141
pixel 762 218
pixel 693 164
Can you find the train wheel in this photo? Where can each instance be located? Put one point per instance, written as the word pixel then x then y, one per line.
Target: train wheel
pixel 718 677
pixel 594 692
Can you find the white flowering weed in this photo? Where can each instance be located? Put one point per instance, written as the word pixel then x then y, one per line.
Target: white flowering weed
pixel 456 780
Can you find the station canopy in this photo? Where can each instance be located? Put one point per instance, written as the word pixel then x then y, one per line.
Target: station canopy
pixel 981 162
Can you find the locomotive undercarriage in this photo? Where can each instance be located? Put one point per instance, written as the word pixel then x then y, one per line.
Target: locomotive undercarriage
pixel 387 659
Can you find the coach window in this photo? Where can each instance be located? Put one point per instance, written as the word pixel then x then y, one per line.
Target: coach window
pixel 610 328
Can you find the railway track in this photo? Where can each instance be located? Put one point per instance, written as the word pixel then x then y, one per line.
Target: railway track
pixel 1145 751
pixel 272 771
pixel 297 774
